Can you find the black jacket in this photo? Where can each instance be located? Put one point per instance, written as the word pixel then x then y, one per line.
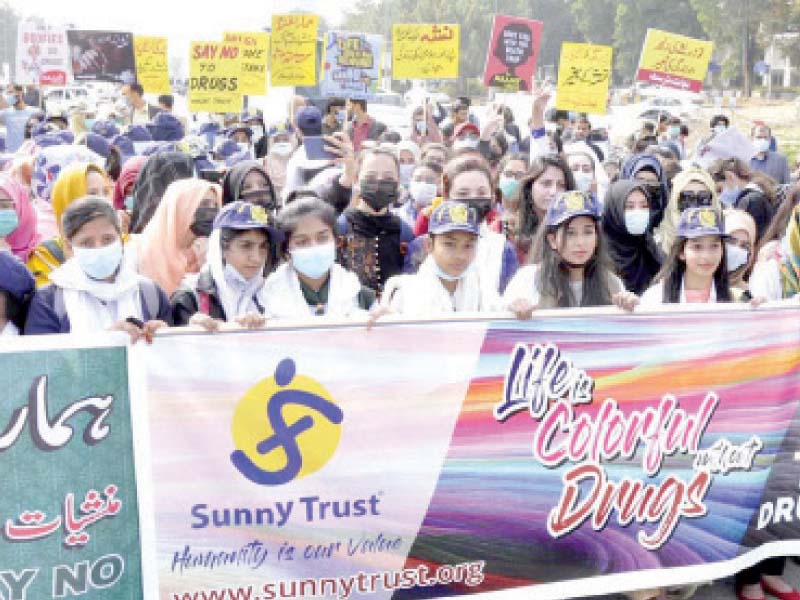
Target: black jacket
pixel 184 302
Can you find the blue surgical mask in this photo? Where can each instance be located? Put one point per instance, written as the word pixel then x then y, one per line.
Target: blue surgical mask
pixel 422 127
pixel 728 197
pixel 736 257
pixel 446 276
pixel 11 99
pixel 341 115
pixel 89 123
pixel 99 263
pixel 508 186
pixel 406 171
pixel 673 132
pixel 637 220
pixel 128 203
pixel 720 129
pixel 9 221
pixel 314 261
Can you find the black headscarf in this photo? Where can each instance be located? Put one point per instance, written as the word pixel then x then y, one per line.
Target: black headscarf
pixel 158 172
pixel 234 179
pixel 637 257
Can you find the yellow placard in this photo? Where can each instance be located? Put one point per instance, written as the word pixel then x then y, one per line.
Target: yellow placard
pixel 674 60
pixel 425 51
pixel 215 77
pixel 254 59
pixel 152 63
pixel 293 55
pixel 584 73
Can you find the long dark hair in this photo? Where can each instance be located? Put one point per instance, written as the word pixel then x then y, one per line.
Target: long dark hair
pixel 671 275
pixel 528 221
pixel 553 273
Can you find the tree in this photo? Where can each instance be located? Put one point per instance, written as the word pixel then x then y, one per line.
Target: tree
pixel 595 19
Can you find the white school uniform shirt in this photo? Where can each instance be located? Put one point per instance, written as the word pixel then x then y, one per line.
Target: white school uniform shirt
pixel 524 286
pixel 489 256
pixel 765 280
pixel 283 298
pixel 423 294
pixel 655 294
pixel 9 330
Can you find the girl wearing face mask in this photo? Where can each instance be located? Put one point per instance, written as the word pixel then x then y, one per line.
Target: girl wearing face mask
pixel 281 147
pixel 647 169
pixel 424 129
pixel 425 186
pixel 310 282
pixel 739 251
pixel 572 268
pixel 373 239
pixel 468 180
pixel 511 171
pixel 95 290
pixel 17 219
pixel 696 269
pixel 408 156
pixel 248 181
pixel 230 286
pixel 73 183
pixel 692 188
pixel 166 248
pixel 740 187
pixel 628 229
pixel 582 167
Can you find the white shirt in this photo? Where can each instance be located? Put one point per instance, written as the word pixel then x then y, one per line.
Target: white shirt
pixel 524 286
pixel 765 280
pixel 654 296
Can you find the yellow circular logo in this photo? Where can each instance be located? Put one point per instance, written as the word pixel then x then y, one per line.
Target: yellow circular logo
pixel 575 201
pixel 708 218
pixel 285 427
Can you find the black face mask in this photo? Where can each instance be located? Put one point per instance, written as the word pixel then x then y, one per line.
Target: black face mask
pixel 481 206
pixel 379 194
pixel 203 221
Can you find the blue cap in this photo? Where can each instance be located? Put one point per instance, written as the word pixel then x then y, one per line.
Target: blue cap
pixel 244 215
pixel 278 128
pixel 49 139
pixel 108 129
pixel 43 129
pixel 569 205
pixel 166 128
pixel 309 120
pixel 208 127
pixel 226 149
pixel 160 147
pixel 138 133
pixel 15 277
pixel 697 222
pixel 125 145
pixel 98 144
pixel 237 157
pixel 453 216
pixel 239 127
pixel 66 136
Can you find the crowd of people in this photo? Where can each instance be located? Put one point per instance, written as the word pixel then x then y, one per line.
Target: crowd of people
pixel 141 220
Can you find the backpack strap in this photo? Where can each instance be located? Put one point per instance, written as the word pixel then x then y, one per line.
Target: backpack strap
pixel 59 306
pixel 57 252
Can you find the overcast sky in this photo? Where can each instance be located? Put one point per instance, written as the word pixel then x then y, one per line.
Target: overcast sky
pixel 180 20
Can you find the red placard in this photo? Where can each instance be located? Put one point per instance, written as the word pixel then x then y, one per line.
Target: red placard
pixel 511 58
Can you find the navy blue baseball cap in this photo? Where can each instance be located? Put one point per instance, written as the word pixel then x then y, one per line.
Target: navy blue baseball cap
pixel 244 215
pixel 66 136
pixel 49 139
pixel 108 129
pixel 226 149
pixel 98 144
pixel 569 205
pixel 239 127
pixel 208 127
pixel 43 129
pixel 454 216
pixel 309 120
pixel 138 133
pixel 125 146
pixel 697 222
pixel 166 128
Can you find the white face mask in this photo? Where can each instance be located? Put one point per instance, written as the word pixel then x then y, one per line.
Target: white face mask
pixel 281 148
pixel 720 129
pixel 423 193
pixel 761 145
pixel 314 261
pixel 99 263
pixel 258 133
pixel 736 257
pixel 637 220
pixel 406 171
pixel 583 181
pixel 466 143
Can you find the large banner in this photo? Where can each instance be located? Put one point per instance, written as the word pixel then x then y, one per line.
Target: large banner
pixel 152 64
pixel 42 55
pixel 351 65
pixel 425 51
pixel 215 77
pixel 254 58
pixel 584 74
pixel 674 61
pixel 553 458
pixel 68 511
pixel 511 58
pixel 293 55
pixel 102 55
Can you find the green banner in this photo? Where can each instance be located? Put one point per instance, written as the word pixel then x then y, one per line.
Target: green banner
pixel 68 509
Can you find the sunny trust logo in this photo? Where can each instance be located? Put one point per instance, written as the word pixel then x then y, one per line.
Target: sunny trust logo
pixel 284 428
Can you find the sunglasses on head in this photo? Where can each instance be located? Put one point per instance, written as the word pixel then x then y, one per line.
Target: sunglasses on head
pixel 694 200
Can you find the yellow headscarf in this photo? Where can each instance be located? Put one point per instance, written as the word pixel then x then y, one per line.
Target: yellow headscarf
pixel 672 215
pixel 71 186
